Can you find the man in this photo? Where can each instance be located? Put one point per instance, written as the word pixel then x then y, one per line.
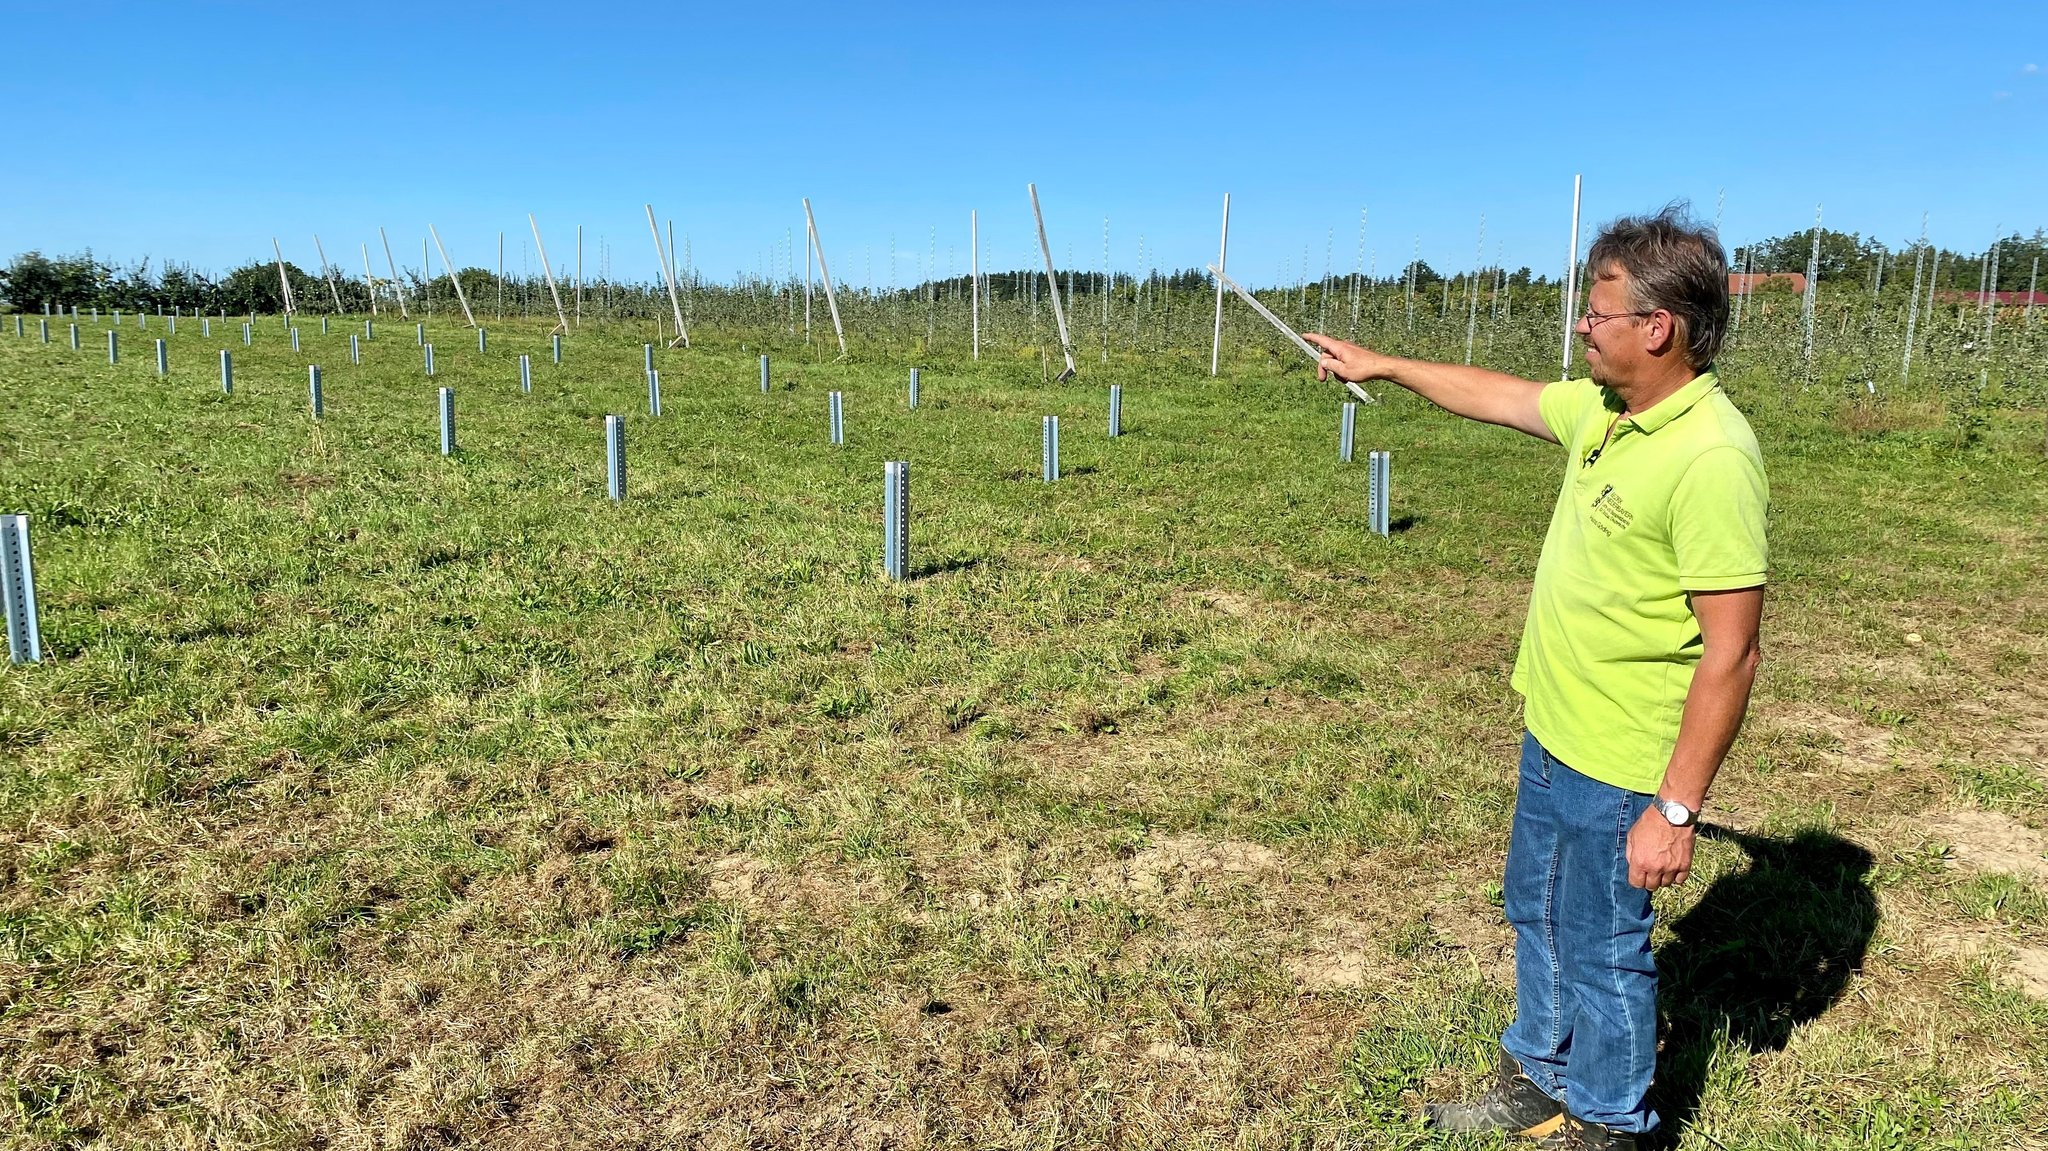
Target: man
pixel 1635 665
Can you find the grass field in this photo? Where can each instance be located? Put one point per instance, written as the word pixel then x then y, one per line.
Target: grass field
pixel 375 799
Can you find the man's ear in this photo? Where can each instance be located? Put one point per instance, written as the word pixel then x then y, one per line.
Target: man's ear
pixel 1660 333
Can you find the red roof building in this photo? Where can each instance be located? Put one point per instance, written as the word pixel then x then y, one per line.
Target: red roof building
pixel 1743 283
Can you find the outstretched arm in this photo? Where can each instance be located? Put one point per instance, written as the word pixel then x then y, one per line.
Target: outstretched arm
pixel 1475 393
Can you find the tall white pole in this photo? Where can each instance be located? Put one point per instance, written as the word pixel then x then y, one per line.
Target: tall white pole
pixel 501 275
pixel 1059 313
pixel 1571 281
pixel 668 273
pixel 369 279
pixel 825 275
pixel 396 283
pixel 579 275
pixel 327 270
pixel 1812 284
pixel 808 279
pixel 1222 251
pixel 974 275
pixel 452 277
pixel 1472 291
pixel 283 279
pixel 561 314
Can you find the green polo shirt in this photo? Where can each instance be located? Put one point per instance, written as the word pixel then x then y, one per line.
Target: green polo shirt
pixel 1674 503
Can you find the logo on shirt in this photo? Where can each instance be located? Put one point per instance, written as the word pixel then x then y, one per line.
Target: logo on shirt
pixel 1609 513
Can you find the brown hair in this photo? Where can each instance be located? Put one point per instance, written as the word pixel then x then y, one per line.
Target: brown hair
pixel 1673 264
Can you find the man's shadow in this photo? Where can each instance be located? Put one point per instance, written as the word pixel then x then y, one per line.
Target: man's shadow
pixel 1764 950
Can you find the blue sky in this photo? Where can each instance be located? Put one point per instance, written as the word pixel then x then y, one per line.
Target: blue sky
pixel 198 132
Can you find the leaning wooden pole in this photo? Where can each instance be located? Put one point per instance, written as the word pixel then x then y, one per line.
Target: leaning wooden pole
pixel 668 273
pixel 283 279
pixel 396 283
pixel 1059 313
pixel 561 316
pixel 824 275
pixel 453 278
pixel 327 270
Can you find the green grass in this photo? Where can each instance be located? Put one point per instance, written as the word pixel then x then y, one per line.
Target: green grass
pixel 372 797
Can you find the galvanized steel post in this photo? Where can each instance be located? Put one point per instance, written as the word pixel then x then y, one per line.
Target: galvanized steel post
pixel 227 373
pixel 838 420
pixel 313 390
pixel 525 373
pixel 1116 410
pixel 163 359
pixel 914 380
pixel 18 588
pixel 1049 448
pixel 615 457
pixel 653 392
pixel 896 519
pixel 113 346
pixel 447 420
pixel 764 375
pixel 1347 431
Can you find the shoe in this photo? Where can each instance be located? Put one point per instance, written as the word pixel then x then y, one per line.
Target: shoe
pixel 1514 1105
pixel 1578 1135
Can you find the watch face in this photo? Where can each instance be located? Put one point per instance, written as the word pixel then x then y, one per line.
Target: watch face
pixel 1677 813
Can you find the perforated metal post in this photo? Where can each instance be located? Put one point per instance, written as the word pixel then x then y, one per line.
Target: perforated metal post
pixel 647 357
pixel 227 373
pixel 557 339
pixel 914 378
pixel 1116 410
pixel 323 325
pixel 74 337
pixel 18 588
pixel 896 519
pixel 420 334
pixel 428 351
pixel 313 390
pixel 206 326
pixel 447 420
pixel 653 392
pixel 117 317
pixel 369 329
pixel 615 457
pixel 295 339
pixel 18 333
pixel 525 373
pixel 1347 431
pixel 113 346
pixel 480 342
pixel 44 326
pixel 173 322
pixel 355 348
pixel 764 375
pixel 838 419
pixel 248 334
pixel 1049 447
pixel 1379 484
pixel 163 359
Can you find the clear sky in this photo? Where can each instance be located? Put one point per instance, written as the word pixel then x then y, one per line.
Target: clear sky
pixel 199 132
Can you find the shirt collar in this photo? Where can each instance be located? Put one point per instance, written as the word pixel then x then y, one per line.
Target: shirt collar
pixel 1674 405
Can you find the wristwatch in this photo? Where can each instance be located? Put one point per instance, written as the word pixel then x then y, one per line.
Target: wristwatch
pixel 1678 814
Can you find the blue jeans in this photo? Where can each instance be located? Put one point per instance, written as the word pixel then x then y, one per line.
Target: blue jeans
pixel 1585 1024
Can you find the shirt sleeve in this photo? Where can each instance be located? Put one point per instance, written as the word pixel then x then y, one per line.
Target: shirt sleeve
pixel 1719 515
pixel 1563 407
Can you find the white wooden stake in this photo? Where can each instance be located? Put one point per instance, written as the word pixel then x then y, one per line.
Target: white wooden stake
pixel 283 279
pixel 1222 251
pixel 1059 312
pixel 824 275
pixel 668 273
pixel 327 270
pixel 1571 283
pixel 369 279
pixel 454 279
pixel 396 283
pixel 561 314
pixel 974 276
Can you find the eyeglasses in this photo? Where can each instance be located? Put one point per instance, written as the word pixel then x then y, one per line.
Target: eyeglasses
pixel 1594 319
